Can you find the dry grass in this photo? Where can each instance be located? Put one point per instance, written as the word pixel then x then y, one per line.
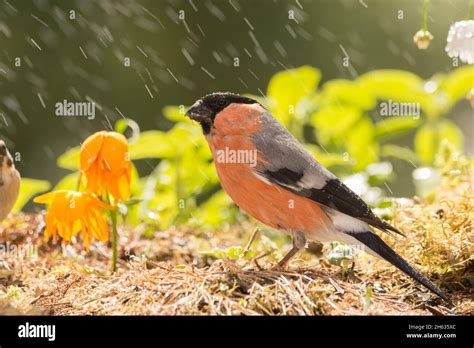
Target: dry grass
pixel 171 273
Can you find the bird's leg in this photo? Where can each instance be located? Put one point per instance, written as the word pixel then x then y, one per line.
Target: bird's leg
pixel 284 261
pixel 299 242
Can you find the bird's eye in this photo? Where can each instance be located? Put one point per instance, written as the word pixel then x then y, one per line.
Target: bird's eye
pixel 222 102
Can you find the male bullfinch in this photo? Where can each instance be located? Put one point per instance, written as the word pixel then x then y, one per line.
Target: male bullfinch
pixel 9 181
pixel 270 175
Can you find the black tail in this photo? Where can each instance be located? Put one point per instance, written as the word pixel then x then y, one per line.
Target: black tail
pixel 376 244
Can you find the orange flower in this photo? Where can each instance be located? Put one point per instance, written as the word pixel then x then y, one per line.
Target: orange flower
pixel 106 165
pixel 71 212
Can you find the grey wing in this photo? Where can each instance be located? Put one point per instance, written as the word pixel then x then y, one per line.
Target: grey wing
pixel 288 165
pixel 290 161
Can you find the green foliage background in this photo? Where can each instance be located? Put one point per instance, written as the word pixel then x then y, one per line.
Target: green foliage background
pixel 339 123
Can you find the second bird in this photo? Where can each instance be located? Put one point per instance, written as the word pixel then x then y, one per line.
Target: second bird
pixel 9 181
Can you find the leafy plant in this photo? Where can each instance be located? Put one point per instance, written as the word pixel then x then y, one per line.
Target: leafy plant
pixel 340 123
pixel 28 189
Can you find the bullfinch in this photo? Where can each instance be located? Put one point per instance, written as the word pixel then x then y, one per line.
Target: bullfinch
pixel 9 181
pixel 271 176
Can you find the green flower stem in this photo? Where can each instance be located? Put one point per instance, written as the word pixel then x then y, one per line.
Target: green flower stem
pixel 113 215
pixel 78 184
pixel 179 188
pixel 424 15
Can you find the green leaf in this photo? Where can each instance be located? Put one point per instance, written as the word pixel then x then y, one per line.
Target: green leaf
pixel 176 113
pixel 429 138
pixel 391 84
pixel 216 253
pixel 361 144
pixel 327 159
pixel 132 201
pixel 392 127
pixel 425 143
pixel 449 132
pixel 345 92
pixel 332 123
pixel 287 88
pixel 70 159
pixel 152 144
pixel 69 182
pixel 215 210
pixel 400 152
pixel 28 189
pixel 368 299
pixel 234 252
pixel 457 84
pixel 400 86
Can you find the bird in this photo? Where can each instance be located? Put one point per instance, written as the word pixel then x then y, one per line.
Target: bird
pixel 9 181
pixel 272 177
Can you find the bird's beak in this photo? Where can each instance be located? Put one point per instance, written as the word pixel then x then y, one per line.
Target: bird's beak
pixel 199 112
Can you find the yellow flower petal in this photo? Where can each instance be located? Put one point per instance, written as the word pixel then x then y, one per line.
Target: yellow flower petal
pixel 105 164
pixel 90 149
pixel 44 199
pixel 72 212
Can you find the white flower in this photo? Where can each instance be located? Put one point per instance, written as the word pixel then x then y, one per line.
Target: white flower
pixel 461 41
pixel 422 39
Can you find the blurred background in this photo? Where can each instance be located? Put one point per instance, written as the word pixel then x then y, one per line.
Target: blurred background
pixel 181 50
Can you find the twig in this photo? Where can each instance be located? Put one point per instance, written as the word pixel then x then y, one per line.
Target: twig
pixel 249 243
pixel 255 260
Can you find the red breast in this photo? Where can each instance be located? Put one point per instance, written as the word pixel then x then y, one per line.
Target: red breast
pixel 231 134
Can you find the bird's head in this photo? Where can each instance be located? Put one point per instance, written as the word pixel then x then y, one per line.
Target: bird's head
pixel 208 107
pixel 6 160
